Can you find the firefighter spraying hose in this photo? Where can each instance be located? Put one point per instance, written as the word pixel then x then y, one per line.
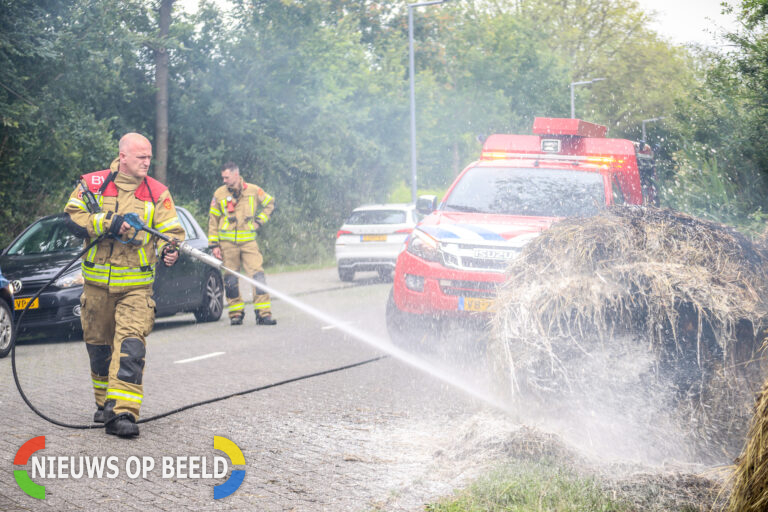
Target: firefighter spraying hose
pixel 92 205
pixel 131 223
pixel 382 345
pixel 134 221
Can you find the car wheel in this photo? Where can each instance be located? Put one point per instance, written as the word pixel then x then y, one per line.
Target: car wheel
pixel 346 274
pixel 416 333
pixel 213 301
pixel 6 328
pixel 385 274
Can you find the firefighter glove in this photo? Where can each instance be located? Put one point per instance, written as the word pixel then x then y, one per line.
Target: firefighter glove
pixel 115 225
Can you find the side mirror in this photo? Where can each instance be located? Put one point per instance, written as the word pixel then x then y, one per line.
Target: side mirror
pixel 426 204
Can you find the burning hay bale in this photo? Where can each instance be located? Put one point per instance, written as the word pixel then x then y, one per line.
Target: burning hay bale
pixel 677 300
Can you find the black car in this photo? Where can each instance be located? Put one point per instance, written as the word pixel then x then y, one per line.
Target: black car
pixel 47 245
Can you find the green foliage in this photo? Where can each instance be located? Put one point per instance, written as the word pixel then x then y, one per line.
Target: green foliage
pixel 522 487
pixel 714 154
pixel 401 193
pixel 701 188
pixel 496 74
pixel 296 104
pixel 310 98
pixel 612 39
pixel 69 70
pixel 754 11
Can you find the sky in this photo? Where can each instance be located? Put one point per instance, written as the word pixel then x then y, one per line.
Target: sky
pixel 687 21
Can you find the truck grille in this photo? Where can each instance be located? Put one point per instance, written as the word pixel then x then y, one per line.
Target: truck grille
pixel 484 264
pixel 479 289
pixel 466 257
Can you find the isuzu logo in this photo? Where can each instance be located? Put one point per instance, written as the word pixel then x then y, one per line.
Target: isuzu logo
pixel 495 254
pixel 15 286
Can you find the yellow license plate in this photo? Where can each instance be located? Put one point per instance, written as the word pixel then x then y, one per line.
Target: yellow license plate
pixel 475 304
pixel 20 304
pixel 374 238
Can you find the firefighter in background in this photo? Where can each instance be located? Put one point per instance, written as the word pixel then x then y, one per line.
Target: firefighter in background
pixel 232 226
pixel 118 311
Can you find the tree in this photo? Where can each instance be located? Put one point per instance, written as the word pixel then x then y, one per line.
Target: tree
pixel 612 39
pixel 493 74
pixel 161 101
pixel 291 95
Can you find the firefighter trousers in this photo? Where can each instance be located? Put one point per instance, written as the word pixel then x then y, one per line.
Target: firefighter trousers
pixel 117 323
pixel 245 256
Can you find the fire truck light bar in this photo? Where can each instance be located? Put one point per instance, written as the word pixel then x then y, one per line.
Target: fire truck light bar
pixel 506 155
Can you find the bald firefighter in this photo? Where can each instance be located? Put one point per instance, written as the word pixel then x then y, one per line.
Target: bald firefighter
pixel 238 210
pixel 118 311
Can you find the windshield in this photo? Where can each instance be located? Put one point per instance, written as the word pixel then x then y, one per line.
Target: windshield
pixel 531 192
pixel 377 217
pixel 45 237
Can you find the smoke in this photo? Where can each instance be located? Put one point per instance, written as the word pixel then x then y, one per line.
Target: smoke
pixel 615 401
pixel 611 402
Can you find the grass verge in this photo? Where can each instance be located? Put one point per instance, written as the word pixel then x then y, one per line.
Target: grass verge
pixel 531 486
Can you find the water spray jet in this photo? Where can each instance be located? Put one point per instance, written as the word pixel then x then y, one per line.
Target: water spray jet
pixel 359 335
pixel 377 343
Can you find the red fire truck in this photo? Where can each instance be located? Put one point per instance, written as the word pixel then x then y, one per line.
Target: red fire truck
pixel 456 256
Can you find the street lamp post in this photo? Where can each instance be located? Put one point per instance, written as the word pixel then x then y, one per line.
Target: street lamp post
pixel 651 120
pixel 573 96
pixel 413 93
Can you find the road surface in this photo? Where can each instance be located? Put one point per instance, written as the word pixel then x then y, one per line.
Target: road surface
pixel 383 435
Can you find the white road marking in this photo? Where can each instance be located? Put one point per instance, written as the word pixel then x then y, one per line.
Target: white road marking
pixel 206 356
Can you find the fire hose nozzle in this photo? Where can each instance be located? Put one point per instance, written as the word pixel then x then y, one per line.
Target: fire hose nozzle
pixel 199 255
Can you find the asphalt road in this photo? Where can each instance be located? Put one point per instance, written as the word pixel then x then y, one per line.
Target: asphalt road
pixel 371 437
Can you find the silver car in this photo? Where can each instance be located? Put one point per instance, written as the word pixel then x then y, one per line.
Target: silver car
pixel 372 238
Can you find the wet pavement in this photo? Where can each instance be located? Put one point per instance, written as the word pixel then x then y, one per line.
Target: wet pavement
pixel 371 437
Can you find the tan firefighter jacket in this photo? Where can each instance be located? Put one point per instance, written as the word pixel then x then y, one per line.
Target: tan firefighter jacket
pixel 233 215
pixel 110 263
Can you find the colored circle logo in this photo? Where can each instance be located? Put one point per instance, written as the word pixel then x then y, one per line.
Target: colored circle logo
pixel 236 458
pixel 21 459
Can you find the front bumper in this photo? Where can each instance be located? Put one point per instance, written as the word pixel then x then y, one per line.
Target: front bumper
pixel 444 291
pixel 348 254
pixel 362 264
pixel 58 310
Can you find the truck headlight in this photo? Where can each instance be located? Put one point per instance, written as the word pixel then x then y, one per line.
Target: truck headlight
pixel 423 246
pixel 70 279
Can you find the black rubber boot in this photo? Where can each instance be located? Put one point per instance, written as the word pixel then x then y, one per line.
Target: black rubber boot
pixel 265 320
pixel 104 413
pixel 122 425
pixel 236 320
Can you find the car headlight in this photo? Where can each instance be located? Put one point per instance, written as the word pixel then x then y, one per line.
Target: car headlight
pixel 70 279
pixel 423 246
